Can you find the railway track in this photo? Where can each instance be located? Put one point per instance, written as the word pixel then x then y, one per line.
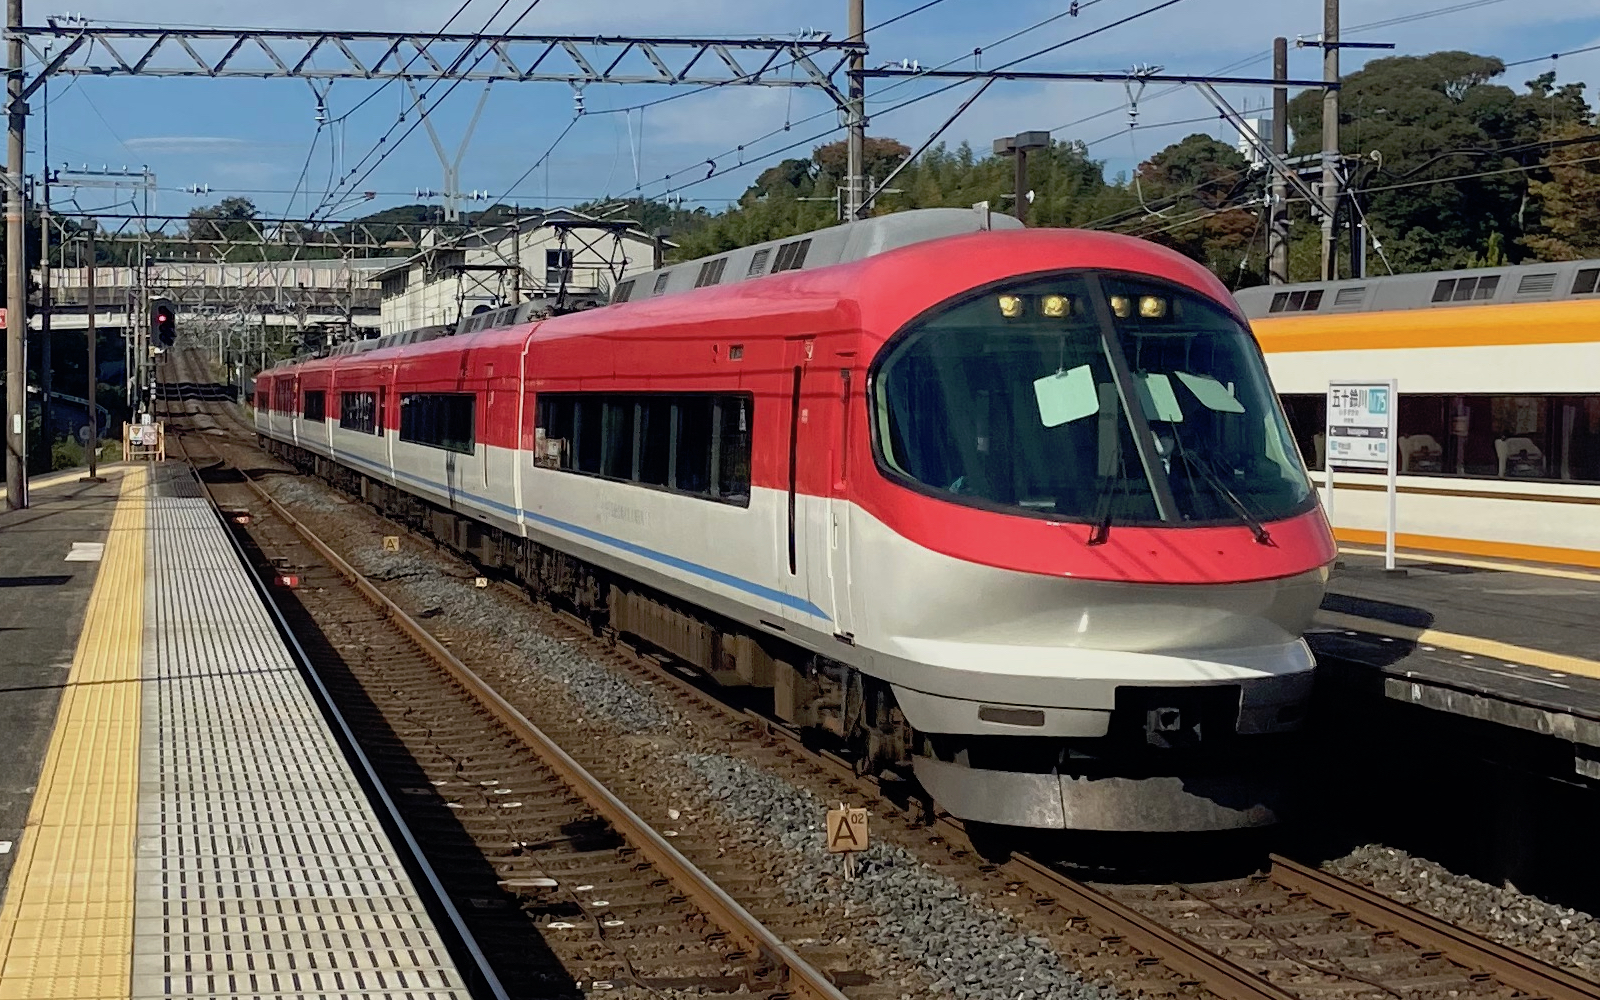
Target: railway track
pixel 564 888
pixel 1294 932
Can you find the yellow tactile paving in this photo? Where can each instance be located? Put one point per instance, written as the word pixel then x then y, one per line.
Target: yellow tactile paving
pixel 66 928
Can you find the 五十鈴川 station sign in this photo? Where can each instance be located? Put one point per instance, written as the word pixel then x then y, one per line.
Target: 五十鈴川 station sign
pixel 1361 429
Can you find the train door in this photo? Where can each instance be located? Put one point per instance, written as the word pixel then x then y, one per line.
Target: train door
pixel 805 514
pixel 839 508
pixel 384 427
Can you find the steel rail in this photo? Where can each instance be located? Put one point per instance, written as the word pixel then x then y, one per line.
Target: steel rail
pixel 480 974
pixel 799 975
pixel 1515 969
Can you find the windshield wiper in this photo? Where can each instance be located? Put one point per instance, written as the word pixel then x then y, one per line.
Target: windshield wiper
pixel 1258 529
pixel 1102 518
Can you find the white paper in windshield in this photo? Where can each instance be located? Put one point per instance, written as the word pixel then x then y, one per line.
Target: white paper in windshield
pixel 1159 399
pixel 1211 393
pixel 1066 396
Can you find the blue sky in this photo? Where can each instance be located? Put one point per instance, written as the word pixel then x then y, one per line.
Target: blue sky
pixel 252 137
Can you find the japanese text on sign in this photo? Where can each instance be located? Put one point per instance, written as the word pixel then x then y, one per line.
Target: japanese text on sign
pixel 1360 425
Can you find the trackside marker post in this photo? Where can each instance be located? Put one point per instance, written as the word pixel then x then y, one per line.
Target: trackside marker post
pixel 847 835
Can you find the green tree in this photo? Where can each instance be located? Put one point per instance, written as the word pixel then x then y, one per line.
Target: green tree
pixel 1569 199
pixel 1452 147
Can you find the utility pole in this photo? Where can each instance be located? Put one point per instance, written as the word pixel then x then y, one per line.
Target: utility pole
pixel 1278 231
pixel 46 348
pixel 1330 138
pixel 94 370
pixel 856 112
pixel 16 274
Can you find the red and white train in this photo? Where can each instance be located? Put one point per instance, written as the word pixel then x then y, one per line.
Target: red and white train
pixel 1017 507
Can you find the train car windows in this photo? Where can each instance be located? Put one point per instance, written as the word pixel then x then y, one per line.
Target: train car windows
pixel 358 412
pixel 439 420
pixel 733 451
pixel 693 470
pixel 655 440
pixel 957 399
pixel 616 446
pixel 588 422
pixel 1479 436
pixel 554 434
pixel 698 444
pixel 283 395
pixel 1585 282
pixel 315 406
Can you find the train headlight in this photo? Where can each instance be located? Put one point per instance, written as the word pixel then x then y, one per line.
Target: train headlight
pixel 1122 306
pixel 1055 306
pixel 1010 306
pixel 1152 307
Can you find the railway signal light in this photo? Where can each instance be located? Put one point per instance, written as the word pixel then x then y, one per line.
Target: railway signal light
pixel 163 322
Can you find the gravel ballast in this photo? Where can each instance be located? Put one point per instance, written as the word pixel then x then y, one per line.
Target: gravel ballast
pixel 963 945
pixel 1561 936
pixel 599 691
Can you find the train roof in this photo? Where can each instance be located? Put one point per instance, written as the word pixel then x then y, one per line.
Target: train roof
pixel 1546 282
pixel 808 251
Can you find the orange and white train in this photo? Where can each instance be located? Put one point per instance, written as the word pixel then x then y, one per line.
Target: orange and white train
pixel 1499 417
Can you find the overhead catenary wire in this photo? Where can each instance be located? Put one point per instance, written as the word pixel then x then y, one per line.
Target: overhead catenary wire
pixel 788 125
pixel 383 141
pixel 716 172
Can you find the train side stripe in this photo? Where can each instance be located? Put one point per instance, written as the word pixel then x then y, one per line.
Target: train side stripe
pixel 620 544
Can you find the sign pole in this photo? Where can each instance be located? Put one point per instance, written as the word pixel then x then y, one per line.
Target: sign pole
pixel 1394 459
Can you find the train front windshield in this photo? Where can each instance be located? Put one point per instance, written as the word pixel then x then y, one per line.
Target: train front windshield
pixel 1102 398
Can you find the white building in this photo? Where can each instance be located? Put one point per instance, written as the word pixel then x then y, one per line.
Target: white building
pixel 1261 127
pixel 549 255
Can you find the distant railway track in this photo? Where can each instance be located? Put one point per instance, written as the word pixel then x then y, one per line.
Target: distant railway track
pixel 1294 932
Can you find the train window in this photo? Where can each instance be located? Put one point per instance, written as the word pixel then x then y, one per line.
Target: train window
pixel 358 412
pixel 439 420
pixel 1479 436
pixel 692 474
pixel 588 423
pixel 314 406
pixel 555 432
pixel 733 451
pixel 616 444
pixel 758 262
pixel 1444 289
pixel 957 400
pixel 1585 282
pixel 655 440
pixel 1280 302
pixel 661 283
pixel 697 443
pixel 623 292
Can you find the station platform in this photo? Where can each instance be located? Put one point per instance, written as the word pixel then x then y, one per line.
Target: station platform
pixel 1512 644
pixel 177 817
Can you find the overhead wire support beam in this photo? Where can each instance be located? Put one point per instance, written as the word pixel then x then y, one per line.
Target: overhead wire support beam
pixel 1116 76
pixel 241 53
